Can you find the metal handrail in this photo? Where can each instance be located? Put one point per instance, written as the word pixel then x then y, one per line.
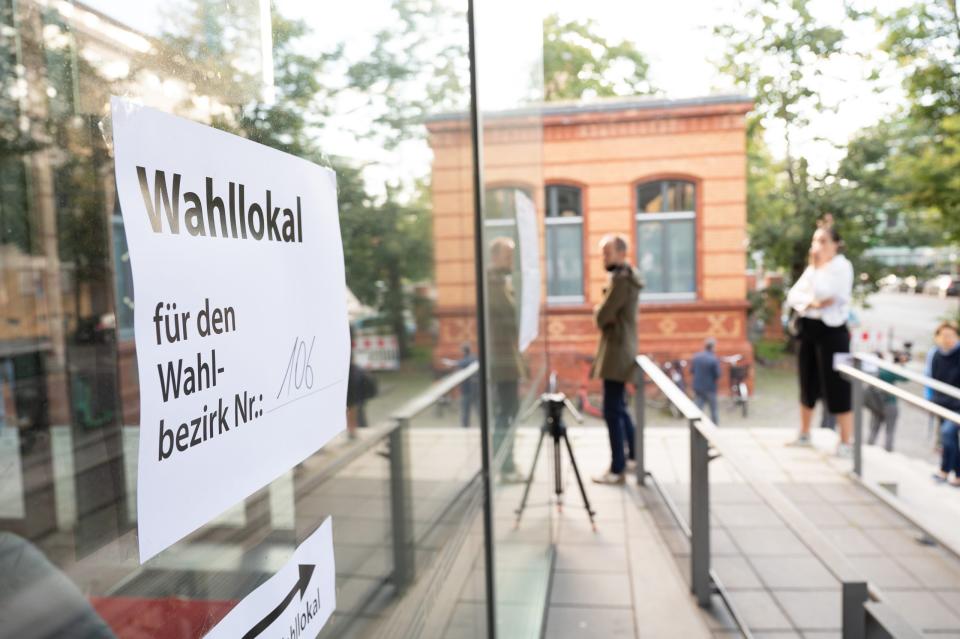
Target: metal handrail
pixel 434 393
pixel 861 379
pixel 838 564
pixel 676 396
pixel 913 376
pixel 862 604
pixel 907 396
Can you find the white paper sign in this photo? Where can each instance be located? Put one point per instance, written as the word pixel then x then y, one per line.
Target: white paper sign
pixel 240 315
pixel 529 269
pixel 293 604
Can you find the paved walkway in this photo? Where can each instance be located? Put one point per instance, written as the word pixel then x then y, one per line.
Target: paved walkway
pixel 778 585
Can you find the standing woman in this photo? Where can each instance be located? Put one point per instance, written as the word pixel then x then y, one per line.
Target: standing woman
pixel 821 298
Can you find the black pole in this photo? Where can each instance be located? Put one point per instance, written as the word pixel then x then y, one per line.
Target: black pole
pixel 481 283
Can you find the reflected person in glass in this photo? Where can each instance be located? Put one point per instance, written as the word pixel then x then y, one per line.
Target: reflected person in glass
pixel 616 317
pixel 506 364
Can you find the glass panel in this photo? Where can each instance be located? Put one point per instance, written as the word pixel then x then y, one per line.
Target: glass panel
pixel 680 196
pixel 563 201
pixel 681 276
pixel 510 93
pixel 650 197
pixel 651 257
pixel 295 76
pixel 565 260
pixel 500 203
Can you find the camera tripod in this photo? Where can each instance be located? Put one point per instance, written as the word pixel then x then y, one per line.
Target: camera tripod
pixel 553 404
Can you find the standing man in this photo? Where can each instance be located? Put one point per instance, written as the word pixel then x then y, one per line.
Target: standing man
pixel 506 364
pixel 616 318
pixel 706 374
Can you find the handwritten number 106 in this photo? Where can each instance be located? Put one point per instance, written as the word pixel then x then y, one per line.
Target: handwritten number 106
pixel 299 371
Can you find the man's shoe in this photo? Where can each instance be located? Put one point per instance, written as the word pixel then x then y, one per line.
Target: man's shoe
pixel 844 451
pixel 802 441
pixel 610 479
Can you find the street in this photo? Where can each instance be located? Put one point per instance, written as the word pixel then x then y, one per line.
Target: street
pixel 910 317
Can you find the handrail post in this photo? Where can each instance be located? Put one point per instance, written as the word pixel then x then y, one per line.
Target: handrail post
pixel 401 507
pixel 857 400
pixel 699 516
pixel 854 620
pixel 640 417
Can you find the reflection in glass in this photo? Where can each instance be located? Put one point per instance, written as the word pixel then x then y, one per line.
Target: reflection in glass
pixel 327 87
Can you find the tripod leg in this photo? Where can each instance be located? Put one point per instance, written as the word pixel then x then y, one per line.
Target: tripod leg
pixel 526 489
pixel 583 491
pixel 557 475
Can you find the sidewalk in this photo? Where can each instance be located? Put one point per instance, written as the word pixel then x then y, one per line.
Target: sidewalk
pixel 777 584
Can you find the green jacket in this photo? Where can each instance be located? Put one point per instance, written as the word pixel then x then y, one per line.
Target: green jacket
pixel 616 318
pixel 506 364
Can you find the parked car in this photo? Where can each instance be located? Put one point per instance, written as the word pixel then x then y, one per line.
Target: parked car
pixel 888 283
pixel 910 284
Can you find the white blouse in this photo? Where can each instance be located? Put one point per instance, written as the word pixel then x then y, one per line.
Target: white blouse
pixel 833 280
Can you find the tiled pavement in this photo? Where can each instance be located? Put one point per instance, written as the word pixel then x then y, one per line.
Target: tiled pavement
pixel 630 578
pixel 779 586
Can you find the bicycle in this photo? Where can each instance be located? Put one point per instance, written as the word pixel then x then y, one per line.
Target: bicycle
pixel 739 392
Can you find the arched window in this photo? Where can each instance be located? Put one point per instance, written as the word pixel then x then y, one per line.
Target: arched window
pixel 564 222
pixel 666 238
pixel 500 218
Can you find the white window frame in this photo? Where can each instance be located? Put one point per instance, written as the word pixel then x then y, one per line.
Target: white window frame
pixel 565 300
pixel 669 216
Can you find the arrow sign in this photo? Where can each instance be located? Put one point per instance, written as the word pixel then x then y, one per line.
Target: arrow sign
pixel 294 603
pixel 306 571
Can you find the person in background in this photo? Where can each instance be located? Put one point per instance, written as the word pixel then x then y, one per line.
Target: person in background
pixel 883 407
pixel 706 374
pixel 821 297
pixel 933 421
pixel 945 367
pixel 468 389
pixel 506 363
pixel 616 317
pixel 361 387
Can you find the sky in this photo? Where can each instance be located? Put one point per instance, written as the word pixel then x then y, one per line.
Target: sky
pixel 676 36
pixel 683 61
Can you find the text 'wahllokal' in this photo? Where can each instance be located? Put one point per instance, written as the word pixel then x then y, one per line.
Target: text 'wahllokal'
pixel 210 216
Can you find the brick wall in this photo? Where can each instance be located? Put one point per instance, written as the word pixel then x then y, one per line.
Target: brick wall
pixel 606 152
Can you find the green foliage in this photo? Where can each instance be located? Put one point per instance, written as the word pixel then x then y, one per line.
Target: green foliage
pixel 924 40
pixel 388 244
pixel 579 63
pixel 770 352
pixel 386 238
pixel 417 67
pixel 778 59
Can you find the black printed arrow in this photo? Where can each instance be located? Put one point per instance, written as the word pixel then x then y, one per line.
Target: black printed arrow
pixel 306 571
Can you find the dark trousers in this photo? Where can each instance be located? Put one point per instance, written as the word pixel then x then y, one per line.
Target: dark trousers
pixel 506 402
pixel 708 399
pixel 466 405
pixel 619 424
pixel 950 459
pixel 888 420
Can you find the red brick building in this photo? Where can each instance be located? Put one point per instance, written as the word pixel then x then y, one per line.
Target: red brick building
pixel 669 174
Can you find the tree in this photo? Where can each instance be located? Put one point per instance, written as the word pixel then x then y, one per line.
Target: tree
pixel 417 67
pixel 777 55
pixel 579 63
pixel 924 40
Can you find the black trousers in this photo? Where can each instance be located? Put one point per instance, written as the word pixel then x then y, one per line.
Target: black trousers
pixel 818 381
